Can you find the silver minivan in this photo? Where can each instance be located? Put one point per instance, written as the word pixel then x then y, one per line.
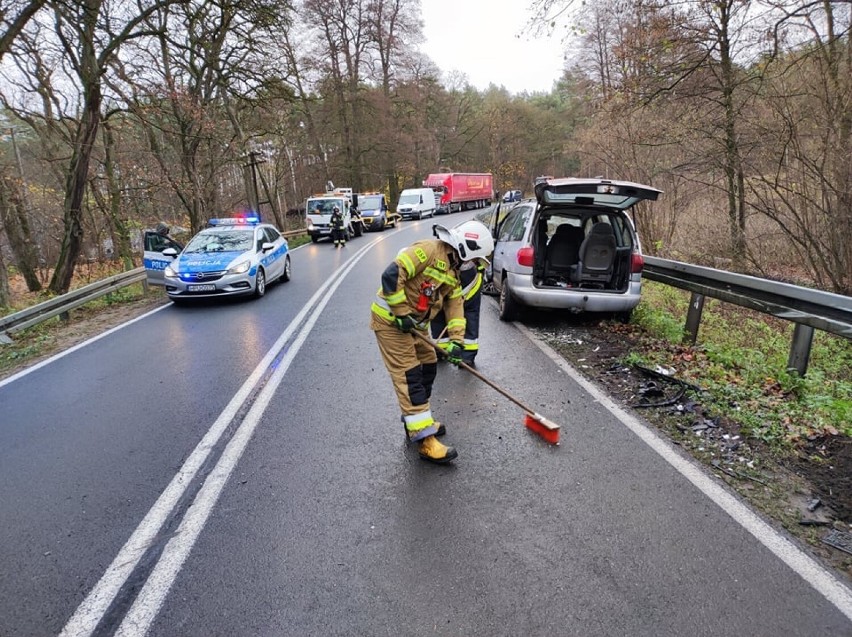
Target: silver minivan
pixel 573 247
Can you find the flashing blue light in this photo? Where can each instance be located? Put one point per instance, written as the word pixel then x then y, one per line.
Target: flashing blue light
pixel 248 220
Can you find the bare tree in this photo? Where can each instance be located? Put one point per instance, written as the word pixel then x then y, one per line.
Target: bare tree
pixel 802 178
pixel 343 27
pixel 85 38
pixel 14 18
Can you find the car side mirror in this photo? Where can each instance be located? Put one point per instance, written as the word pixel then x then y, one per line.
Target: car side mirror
pixel 169 252
pixel 266 247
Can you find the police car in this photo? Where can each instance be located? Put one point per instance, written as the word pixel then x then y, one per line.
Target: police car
pixel 236 256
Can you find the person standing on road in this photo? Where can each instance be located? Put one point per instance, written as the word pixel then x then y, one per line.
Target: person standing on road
pixel 338 234
pixel 421 281
pixel 471 278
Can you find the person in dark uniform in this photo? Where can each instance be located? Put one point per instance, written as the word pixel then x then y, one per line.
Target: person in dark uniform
pixel 472 277
pixel 338 234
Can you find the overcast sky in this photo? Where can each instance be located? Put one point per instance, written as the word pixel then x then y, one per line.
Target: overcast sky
pixel 479 39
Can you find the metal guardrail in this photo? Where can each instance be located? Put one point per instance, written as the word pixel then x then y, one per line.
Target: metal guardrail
pixel 66 302
pixel 810 309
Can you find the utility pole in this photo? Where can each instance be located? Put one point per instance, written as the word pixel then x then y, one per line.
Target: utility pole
pixel 251 181
pixel 254 193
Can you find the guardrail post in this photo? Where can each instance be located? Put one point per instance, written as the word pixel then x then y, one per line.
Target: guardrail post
pixel 693 318
pixel 800 349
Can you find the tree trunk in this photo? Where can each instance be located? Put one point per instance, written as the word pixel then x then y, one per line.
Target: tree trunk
pixel 121 234
pixel 732 162
pixel 75 189
pixel 5 294
pixel 14 218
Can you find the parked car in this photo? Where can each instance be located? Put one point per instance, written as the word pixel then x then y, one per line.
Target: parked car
pixel 156 241
pixel 573 247
pixel 512 195
pixel 234 257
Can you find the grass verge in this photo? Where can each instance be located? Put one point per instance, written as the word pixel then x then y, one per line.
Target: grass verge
pixel 741 358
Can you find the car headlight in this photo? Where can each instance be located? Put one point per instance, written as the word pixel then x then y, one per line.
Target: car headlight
pixel 169 272
pixel 242 268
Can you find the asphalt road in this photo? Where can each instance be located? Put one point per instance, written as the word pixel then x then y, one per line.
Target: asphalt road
pixel 239 468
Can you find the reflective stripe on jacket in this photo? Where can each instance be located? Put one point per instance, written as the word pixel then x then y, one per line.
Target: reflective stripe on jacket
pixel 424 262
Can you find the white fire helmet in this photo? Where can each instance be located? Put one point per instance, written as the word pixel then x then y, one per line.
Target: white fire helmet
pixel 470 239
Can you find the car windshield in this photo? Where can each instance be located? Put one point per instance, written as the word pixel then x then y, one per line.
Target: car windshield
pixel 324 206
pixel 370 202
pixel 409 199
pixel 222 241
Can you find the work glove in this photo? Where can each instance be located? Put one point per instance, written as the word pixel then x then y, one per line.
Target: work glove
pixel 405 323
pixel 454 352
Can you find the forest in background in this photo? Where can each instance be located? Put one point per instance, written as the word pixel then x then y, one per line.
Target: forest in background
pixel 117 115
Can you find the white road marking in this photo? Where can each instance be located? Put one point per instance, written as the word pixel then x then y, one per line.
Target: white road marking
pixel 801 563
pixel 91 611
pixel 147 604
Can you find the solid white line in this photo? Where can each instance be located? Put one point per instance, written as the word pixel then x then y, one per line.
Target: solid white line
pixel 56 357
pixel 91 611
pixel 147 604
pixel 801 563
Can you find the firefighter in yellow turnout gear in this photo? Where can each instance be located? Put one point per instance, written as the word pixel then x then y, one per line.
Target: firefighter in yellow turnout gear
pixel 421 281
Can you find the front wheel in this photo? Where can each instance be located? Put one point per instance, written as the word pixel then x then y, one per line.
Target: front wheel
pixel 314 238
pixel 285 276
pixel 508 305
pixel 260 284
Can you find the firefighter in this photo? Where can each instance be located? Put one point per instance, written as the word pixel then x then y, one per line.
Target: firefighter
pixel 471 278
pixel 421 281
pixel 338 234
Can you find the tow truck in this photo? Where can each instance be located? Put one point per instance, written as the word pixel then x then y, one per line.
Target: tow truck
pixel 318 213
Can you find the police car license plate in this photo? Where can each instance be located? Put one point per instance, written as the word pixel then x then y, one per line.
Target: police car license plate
pixel 207 287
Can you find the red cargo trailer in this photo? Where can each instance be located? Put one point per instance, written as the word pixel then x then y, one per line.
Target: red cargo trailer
pixel 461 191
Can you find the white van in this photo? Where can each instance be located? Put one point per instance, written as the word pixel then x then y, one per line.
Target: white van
pixel 416 203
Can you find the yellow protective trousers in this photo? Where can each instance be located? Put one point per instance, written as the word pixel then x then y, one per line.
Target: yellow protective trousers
pixel 412 365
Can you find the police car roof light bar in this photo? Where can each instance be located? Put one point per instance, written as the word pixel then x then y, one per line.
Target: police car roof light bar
pixel 235 221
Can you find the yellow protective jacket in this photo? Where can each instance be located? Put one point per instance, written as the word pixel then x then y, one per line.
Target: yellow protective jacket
pixel 424 266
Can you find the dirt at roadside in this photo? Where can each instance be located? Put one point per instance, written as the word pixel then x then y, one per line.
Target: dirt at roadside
pixel 808 494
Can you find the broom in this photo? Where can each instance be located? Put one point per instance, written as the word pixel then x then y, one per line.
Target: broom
pixel 534 421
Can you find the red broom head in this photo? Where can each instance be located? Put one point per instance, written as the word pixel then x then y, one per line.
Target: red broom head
pixel 540 425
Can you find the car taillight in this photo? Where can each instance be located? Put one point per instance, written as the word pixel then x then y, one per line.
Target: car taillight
pixel 636 263
pixel 526 256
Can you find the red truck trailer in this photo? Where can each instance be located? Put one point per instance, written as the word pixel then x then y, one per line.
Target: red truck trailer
pixel 460 191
